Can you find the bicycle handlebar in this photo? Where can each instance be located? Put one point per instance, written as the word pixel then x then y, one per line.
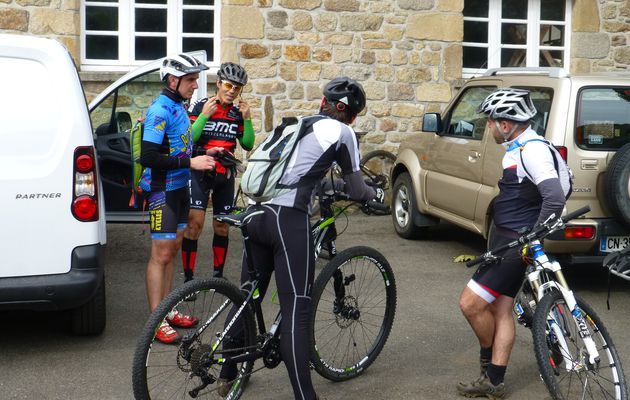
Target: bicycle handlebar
pixel 369 205
pixel 538 232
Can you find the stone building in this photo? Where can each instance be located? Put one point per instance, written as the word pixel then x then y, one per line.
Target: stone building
pixel 410 55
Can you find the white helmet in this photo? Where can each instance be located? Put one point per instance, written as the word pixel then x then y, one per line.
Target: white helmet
pixel 180 65
pixel 512 104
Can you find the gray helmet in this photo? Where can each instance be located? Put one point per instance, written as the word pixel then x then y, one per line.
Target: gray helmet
pixel 347 91
pixel 508 103
pixel 233 73
pixel 180 65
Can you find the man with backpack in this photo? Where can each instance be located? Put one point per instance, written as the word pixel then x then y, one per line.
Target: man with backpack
pixel 281 239
pixel 219 121
pixel 534 186
pixel 166 155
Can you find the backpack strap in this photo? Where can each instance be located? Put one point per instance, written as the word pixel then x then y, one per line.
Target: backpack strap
pixel 556 165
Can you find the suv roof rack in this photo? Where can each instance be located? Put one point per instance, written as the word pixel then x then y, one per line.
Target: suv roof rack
pixel 553 72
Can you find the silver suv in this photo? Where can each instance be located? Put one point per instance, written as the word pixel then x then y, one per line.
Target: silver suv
pixel 451 169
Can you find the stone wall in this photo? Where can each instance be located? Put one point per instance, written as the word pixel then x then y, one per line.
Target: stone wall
pixel 399 50
pixel 58 19
pixel 601 33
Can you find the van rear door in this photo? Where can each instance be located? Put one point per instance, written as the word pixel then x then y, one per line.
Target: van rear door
pixel 44 118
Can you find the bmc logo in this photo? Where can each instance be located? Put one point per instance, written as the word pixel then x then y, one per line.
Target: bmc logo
pixel 222 127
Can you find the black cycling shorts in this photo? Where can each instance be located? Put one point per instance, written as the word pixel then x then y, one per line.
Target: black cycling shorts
pixel 503 277
pixel 168 211
pixel 221 186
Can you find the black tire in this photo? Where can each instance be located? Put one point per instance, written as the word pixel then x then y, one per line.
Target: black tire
pixel 617 184
pixel 350 329
pixel 377 166
pixel 166 371
pixel 90 318
pixel 603 381
pixel 404 208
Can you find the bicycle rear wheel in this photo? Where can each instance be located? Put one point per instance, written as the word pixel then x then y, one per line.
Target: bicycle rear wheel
pixel 565 368
pixel 377 166
pixel 354 302
pixel 190 368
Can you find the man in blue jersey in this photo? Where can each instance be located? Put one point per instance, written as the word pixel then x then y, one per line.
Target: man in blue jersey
pixel 167 157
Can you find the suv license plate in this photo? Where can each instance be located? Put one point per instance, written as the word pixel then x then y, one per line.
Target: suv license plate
pixel 613 243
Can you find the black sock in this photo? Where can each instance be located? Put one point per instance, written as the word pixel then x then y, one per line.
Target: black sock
pixel 496 373
pixel 189 256
pixel 485 355
pixel 219 251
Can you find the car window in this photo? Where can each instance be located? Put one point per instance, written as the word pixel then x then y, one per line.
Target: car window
pixel 542 98
pixel 603 118
pixel 125 105
pixel 464 120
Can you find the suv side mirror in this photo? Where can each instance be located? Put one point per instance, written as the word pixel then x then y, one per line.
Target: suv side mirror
pixel 123 121
pixel 432 122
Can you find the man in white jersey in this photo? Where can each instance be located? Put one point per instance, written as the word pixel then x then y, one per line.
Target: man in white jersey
pixel 530 190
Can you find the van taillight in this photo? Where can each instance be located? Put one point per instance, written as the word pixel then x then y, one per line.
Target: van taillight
pixel 579 232
pixel 85 186
pixel 563 152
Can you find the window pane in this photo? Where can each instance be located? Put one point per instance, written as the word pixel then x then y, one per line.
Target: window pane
pixel 191 44
pixel 475 32
pixel 552 35
pixel 150 20
pixel 150 48
pixel 101 18
pixel 603 118
pixel 198 2
pixel 475 57
pixel 464 120
pixel 101 47
pixel 476 8
pixel 551 58
pixel 513 58
pixel 516 9
pixel 151 1
pixel 552 10
pixel 513 33
pixel 198 21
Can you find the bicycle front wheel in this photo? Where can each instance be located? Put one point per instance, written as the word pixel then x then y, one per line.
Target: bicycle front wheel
pixel 562 356
pixel 191 367
pixel 377 166
pixel 354 302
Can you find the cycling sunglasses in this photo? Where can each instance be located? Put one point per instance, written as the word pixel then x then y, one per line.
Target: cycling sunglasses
pixel 230 86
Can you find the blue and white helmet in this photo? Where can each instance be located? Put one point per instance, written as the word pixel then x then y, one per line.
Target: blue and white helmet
pixel 180 65
pixel 508 103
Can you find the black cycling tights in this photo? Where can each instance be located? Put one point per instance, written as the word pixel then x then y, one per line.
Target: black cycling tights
pixel 281 240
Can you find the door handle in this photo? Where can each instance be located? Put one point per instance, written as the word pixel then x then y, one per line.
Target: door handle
pixel 474 156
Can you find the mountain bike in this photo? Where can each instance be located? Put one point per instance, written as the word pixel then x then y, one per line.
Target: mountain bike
pixel 576 356
pixel 354 303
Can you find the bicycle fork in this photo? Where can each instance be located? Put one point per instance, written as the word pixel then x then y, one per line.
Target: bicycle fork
pixel 555 322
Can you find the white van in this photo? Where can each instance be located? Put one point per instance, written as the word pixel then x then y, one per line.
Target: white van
pixel 52 215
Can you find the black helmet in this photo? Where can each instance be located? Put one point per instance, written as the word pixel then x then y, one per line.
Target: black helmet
pixel 347 91
pixel 233 73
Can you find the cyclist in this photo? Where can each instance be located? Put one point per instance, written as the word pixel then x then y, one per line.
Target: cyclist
pixel 530 190
pixel 281 238
pixel 219 121
pixel 166 151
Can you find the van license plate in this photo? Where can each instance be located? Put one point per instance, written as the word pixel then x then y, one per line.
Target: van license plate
pixel 613 243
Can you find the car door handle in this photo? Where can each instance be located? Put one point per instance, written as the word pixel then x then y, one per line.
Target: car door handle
pixel 474 156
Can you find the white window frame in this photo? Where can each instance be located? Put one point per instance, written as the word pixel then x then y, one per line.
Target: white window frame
pixel 125 33
pixel 532 46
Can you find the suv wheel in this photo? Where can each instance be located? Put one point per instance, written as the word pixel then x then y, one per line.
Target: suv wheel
pixel 617 184
pixel 404 210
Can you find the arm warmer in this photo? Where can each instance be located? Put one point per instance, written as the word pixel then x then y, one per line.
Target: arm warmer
pixel 197 127
pixel 356 187
pixel 152 157
pixel 248 139
pixel 553 199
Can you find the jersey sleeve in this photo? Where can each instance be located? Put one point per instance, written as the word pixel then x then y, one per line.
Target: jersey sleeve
pixel 155 125
pixel 348 156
